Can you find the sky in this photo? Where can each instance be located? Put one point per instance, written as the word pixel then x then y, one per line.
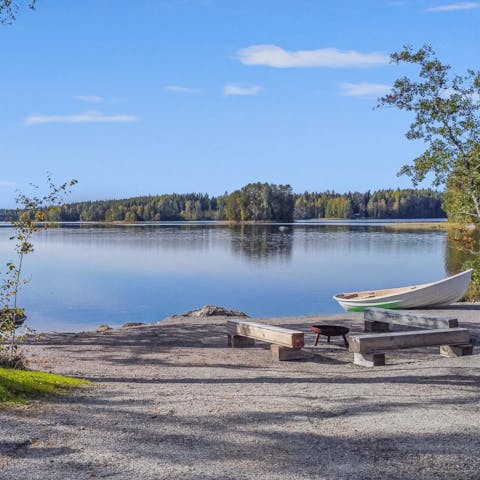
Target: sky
pixel 159 96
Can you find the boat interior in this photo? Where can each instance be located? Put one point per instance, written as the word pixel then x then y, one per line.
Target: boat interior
pixel 378 293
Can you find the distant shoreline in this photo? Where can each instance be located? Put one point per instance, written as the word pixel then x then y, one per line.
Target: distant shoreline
pixel 395 223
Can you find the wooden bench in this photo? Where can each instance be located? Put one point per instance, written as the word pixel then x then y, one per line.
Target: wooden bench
pixel 286 344
pixel 380 319
pixel 368 349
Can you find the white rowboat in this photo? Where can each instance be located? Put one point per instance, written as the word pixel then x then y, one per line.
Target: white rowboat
pixel 433 294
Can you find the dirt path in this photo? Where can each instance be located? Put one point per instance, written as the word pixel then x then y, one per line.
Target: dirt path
pixel 171 401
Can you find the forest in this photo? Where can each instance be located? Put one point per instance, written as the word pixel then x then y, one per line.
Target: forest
pixel 256 202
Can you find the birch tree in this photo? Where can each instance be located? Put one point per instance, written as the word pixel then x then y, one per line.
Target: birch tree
pixel 446 117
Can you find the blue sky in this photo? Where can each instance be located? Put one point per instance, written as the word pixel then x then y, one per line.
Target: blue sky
pixel 161 96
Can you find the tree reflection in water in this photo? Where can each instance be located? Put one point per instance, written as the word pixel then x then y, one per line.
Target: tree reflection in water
pixel 462 251
pixel 262 242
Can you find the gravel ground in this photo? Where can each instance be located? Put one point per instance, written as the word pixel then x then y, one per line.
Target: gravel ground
pixel 172 402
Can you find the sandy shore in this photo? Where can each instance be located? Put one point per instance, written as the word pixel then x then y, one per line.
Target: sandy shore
pixel 172 401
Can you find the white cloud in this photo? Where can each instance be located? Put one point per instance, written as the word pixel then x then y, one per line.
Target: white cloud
pixel 454 6
pixel 179 89
pixel 87 117
pixel 364 89
pixel 8 184
pixel 273 56
pixel 89 98
pixel 241 89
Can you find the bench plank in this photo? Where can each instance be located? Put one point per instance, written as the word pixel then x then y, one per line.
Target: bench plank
pixel 405 317
pixel 420 338
pixel 266 333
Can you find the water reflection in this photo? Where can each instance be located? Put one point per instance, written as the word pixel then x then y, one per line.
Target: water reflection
pixel 462 249
pixel 261 242
pixel 462 252
pixel 83 276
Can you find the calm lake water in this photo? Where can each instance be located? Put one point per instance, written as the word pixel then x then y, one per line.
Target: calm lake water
pixel 84 276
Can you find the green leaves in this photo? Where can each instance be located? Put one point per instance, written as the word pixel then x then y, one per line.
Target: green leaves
pixel 446 118
pixel 9 9
pixel 261 202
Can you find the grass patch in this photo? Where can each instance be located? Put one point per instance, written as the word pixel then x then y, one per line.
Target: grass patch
pixel 19 386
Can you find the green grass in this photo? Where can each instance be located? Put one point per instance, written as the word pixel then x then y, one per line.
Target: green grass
pixel 20 386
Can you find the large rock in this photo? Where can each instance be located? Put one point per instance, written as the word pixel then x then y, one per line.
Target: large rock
pixel 133 324
pixel 212 311
pixel 103 328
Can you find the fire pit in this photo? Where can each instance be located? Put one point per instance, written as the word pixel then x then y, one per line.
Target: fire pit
pixel 330 331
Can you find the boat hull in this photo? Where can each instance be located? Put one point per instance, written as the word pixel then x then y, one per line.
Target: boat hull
pixel 443 292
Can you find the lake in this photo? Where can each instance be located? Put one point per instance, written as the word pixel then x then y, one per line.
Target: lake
pixel 84 276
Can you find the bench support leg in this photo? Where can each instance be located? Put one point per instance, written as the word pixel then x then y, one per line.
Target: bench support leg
pixel 369 359
pixel 284 353
pixel 375 326
pixel 237 341
pixel 456 350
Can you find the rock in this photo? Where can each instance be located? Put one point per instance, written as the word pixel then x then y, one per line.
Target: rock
pixel 212 311
pixel 103 328
pixel 133 324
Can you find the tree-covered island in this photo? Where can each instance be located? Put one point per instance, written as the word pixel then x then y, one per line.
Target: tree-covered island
pixel 256 202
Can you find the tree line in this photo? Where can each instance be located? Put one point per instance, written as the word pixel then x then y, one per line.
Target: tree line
pixel 406 203
pixel 254 202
